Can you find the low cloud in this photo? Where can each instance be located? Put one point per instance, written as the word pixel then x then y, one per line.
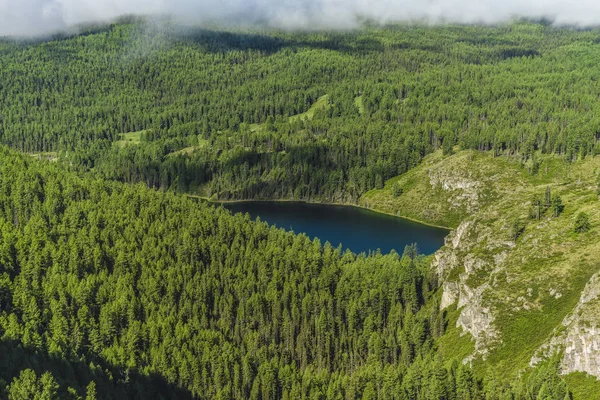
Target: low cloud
pixel 37 17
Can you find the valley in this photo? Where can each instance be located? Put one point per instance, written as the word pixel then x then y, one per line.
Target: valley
pixel 119 280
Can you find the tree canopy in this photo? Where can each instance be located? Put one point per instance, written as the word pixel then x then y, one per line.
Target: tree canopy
pixel 245 114
pixel 110 291
pixel 113 286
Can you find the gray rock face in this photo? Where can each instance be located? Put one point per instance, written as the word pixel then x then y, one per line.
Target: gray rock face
pixel 476 318
pixel 582 340
pixel 579 340
pixel 582 351
pixel 465 189
pixel 450 294
pixel 446 259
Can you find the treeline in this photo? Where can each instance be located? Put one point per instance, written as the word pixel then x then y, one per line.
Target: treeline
pixel 226 97
pixel 118 291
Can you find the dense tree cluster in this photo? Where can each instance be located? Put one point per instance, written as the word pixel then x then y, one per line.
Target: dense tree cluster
pixel 394 94
pixel 112 291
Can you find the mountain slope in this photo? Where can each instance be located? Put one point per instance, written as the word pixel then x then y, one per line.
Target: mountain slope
pixel 526 287
pixel 116 291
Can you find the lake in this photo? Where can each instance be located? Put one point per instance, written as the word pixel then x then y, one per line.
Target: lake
pixel 355 228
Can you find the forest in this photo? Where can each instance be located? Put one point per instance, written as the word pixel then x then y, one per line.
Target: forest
pixel 248 114
pixel 112 291
pixel 113 285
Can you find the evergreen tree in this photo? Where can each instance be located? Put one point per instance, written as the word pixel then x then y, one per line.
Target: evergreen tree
pixel 582 223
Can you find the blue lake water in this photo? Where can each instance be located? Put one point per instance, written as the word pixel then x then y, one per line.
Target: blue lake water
pixel 355 228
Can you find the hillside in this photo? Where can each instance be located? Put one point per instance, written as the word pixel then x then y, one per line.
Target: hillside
pixel 526 289
pixel 113 291
pixel 319 116
pixel 114 285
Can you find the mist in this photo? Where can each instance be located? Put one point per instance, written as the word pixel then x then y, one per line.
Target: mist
pixel 38 17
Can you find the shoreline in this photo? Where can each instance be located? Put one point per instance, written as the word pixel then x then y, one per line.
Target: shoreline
pixel 320 203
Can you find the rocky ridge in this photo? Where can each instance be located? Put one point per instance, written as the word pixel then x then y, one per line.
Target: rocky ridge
pixel 523 296
pixel 577 340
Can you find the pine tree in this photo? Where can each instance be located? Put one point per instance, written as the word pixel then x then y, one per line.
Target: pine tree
pixel 582 223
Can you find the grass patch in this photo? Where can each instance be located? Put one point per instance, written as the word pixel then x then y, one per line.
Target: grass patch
pixel 46 156
pixel 583 386
pixel 358 102
pixel 189 150
pixel 130 138
pixel 255 127
pixel 321 104
pixel 455 344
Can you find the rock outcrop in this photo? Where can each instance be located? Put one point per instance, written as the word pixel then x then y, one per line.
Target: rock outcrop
pixel 514 279
pixel 465 190
pixel 476 316
pixel 578 339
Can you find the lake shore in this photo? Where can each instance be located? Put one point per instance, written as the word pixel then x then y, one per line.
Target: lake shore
pixel 336 204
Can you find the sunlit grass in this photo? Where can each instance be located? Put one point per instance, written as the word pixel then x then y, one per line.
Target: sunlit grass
pixel 130 138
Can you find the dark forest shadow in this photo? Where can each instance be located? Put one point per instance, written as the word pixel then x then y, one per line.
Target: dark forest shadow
pixel 111 382
pixel 223 41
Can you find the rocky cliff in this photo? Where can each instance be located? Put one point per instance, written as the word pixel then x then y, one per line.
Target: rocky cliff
pixel 523 296
pixel 577 339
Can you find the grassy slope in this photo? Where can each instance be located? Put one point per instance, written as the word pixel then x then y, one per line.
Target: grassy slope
pixel 421 201
pixel 455 344
pixel 583 386
pixel 130 138
pixel 359 105
pixel 321 104
pixel 492 192
pixel 189 150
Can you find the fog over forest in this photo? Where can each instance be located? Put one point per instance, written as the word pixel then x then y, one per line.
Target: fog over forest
pixel 38 17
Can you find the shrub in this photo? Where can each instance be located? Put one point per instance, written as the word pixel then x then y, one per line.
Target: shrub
pixel 582 223
pixel 397 190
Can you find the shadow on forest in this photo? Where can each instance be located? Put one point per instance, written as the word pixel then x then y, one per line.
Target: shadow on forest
pixel 78 374
pixel 222 41
pixel 215 40
pixel 311 157
pixel 310 153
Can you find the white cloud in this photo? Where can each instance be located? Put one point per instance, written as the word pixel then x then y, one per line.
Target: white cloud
pixel 34 17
